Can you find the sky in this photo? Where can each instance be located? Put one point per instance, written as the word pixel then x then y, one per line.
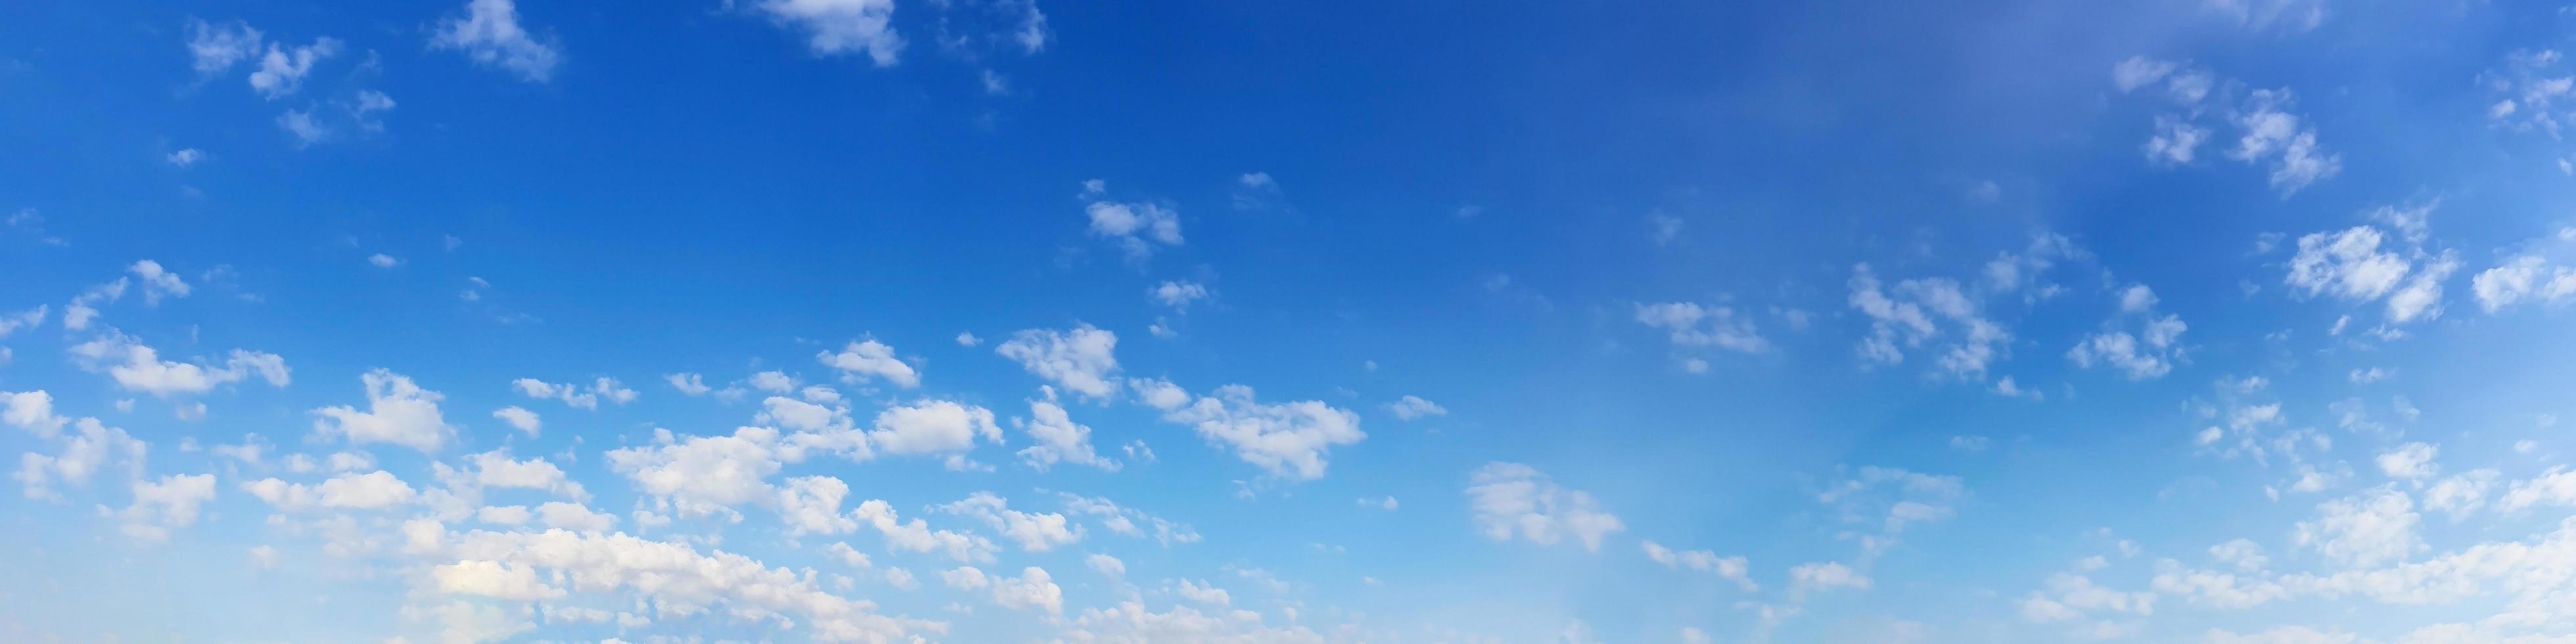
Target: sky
pixel 2204 321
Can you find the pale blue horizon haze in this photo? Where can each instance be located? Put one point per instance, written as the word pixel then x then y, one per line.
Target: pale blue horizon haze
pixel 2212 321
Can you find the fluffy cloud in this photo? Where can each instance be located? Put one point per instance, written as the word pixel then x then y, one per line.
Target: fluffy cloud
pixel 1812 577
pixel 398 412
pixel 933 427
pixel 1514 500
pixel 2363 530
pixel 1137 227
pixel 1728 568
pixel 1692 325
pixel 916 535
pixel 674 577
pixel 1906 315
pixel 1289 440
pixel 166 504
pixel 140 368
pixel 1058 440
pixel 490 34
pixel 2526 278
pixel 835 27
pixel 90 447
pixel 2151 353
pixel 375 490
pixel 1081 360
pixel 1178 295
pixel 870 360
pixel 575 395
pixel 1034 532
pixel 281 72
pixel 214 47
pixel 703 474
pixel 1414 407
pixel 517 417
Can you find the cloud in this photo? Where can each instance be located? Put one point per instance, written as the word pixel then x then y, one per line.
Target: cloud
pixel 1057 439
pixel 166 504
pixel 1821 576
pixel 1514 500
pixel 281 72
pixel 215 47
pixel 489 33
pixel 836 27
pixel 2527 278
pixel 1178 295
pixel 2363 530
pixel 1033 532
pixel 932 427
pixel 1728 568
pixel 1080 360
pixel 139 368
pixel 867 360
pixel 398 412
pixel 1288 440
pixel 575 395
pixel 1723 328
pixel 1414 407
pixel 522 419
pixel 1137 227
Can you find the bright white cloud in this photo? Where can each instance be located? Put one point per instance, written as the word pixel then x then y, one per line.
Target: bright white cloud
pixel 1288 440
pixel 1081 360
pixel 1514 500
pixel 836 27
pixel 398 412
pixel 522 419
pixel 869 360
pixel 490 34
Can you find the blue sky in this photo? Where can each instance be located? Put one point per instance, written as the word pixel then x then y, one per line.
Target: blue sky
pixel 999 320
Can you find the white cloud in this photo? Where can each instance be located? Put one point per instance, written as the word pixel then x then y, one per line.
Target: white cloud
pixel 1125 520
pixel 398 412
pixel 2521 279
pixel 1137 227
pixel 2275 134
pixel 2244 554
pixel 916 535
pixel 167 504
pixel 381 260
pixel 490 33
pixel 139 368
pixel 867 360
pixel 704 474
pixel 2410 461
pixel 2363 530
pixel 1723 329
pixel 1905 314
pixel 678 580
pixel 1108 566
pixel 1080 360
pixel 84 453
pixel 933 427
pixel 1178 295
pixel 375 490
pixel 1819 576
pixel 32 411
pixel 216 47
pixel 1033 589
pixel 1034 532
pixel 1057 439
pixel 1414 407
pixel 1728 568
pixel 835 27
pixel 185 157
pixel 522 419
pixel 1289 440
pixel 281 72
pixel 689 384
pixel 2289 15
pixel 2347 264
pixel 1514 500
pixel 575 395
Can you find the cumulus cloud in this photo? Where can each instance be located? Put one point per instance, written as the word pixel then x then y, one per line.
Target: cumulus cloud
pixel 869 360
pixel 1511 500
pixel 1692 325
pixel 576 395
pixel 398 412
pixel 1729 568
pixel 1033 532
pixel 1288 440
pixel 836 27
pixel 139 368
pixel 490 34
pixel 1057 439
pixel 1080 360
